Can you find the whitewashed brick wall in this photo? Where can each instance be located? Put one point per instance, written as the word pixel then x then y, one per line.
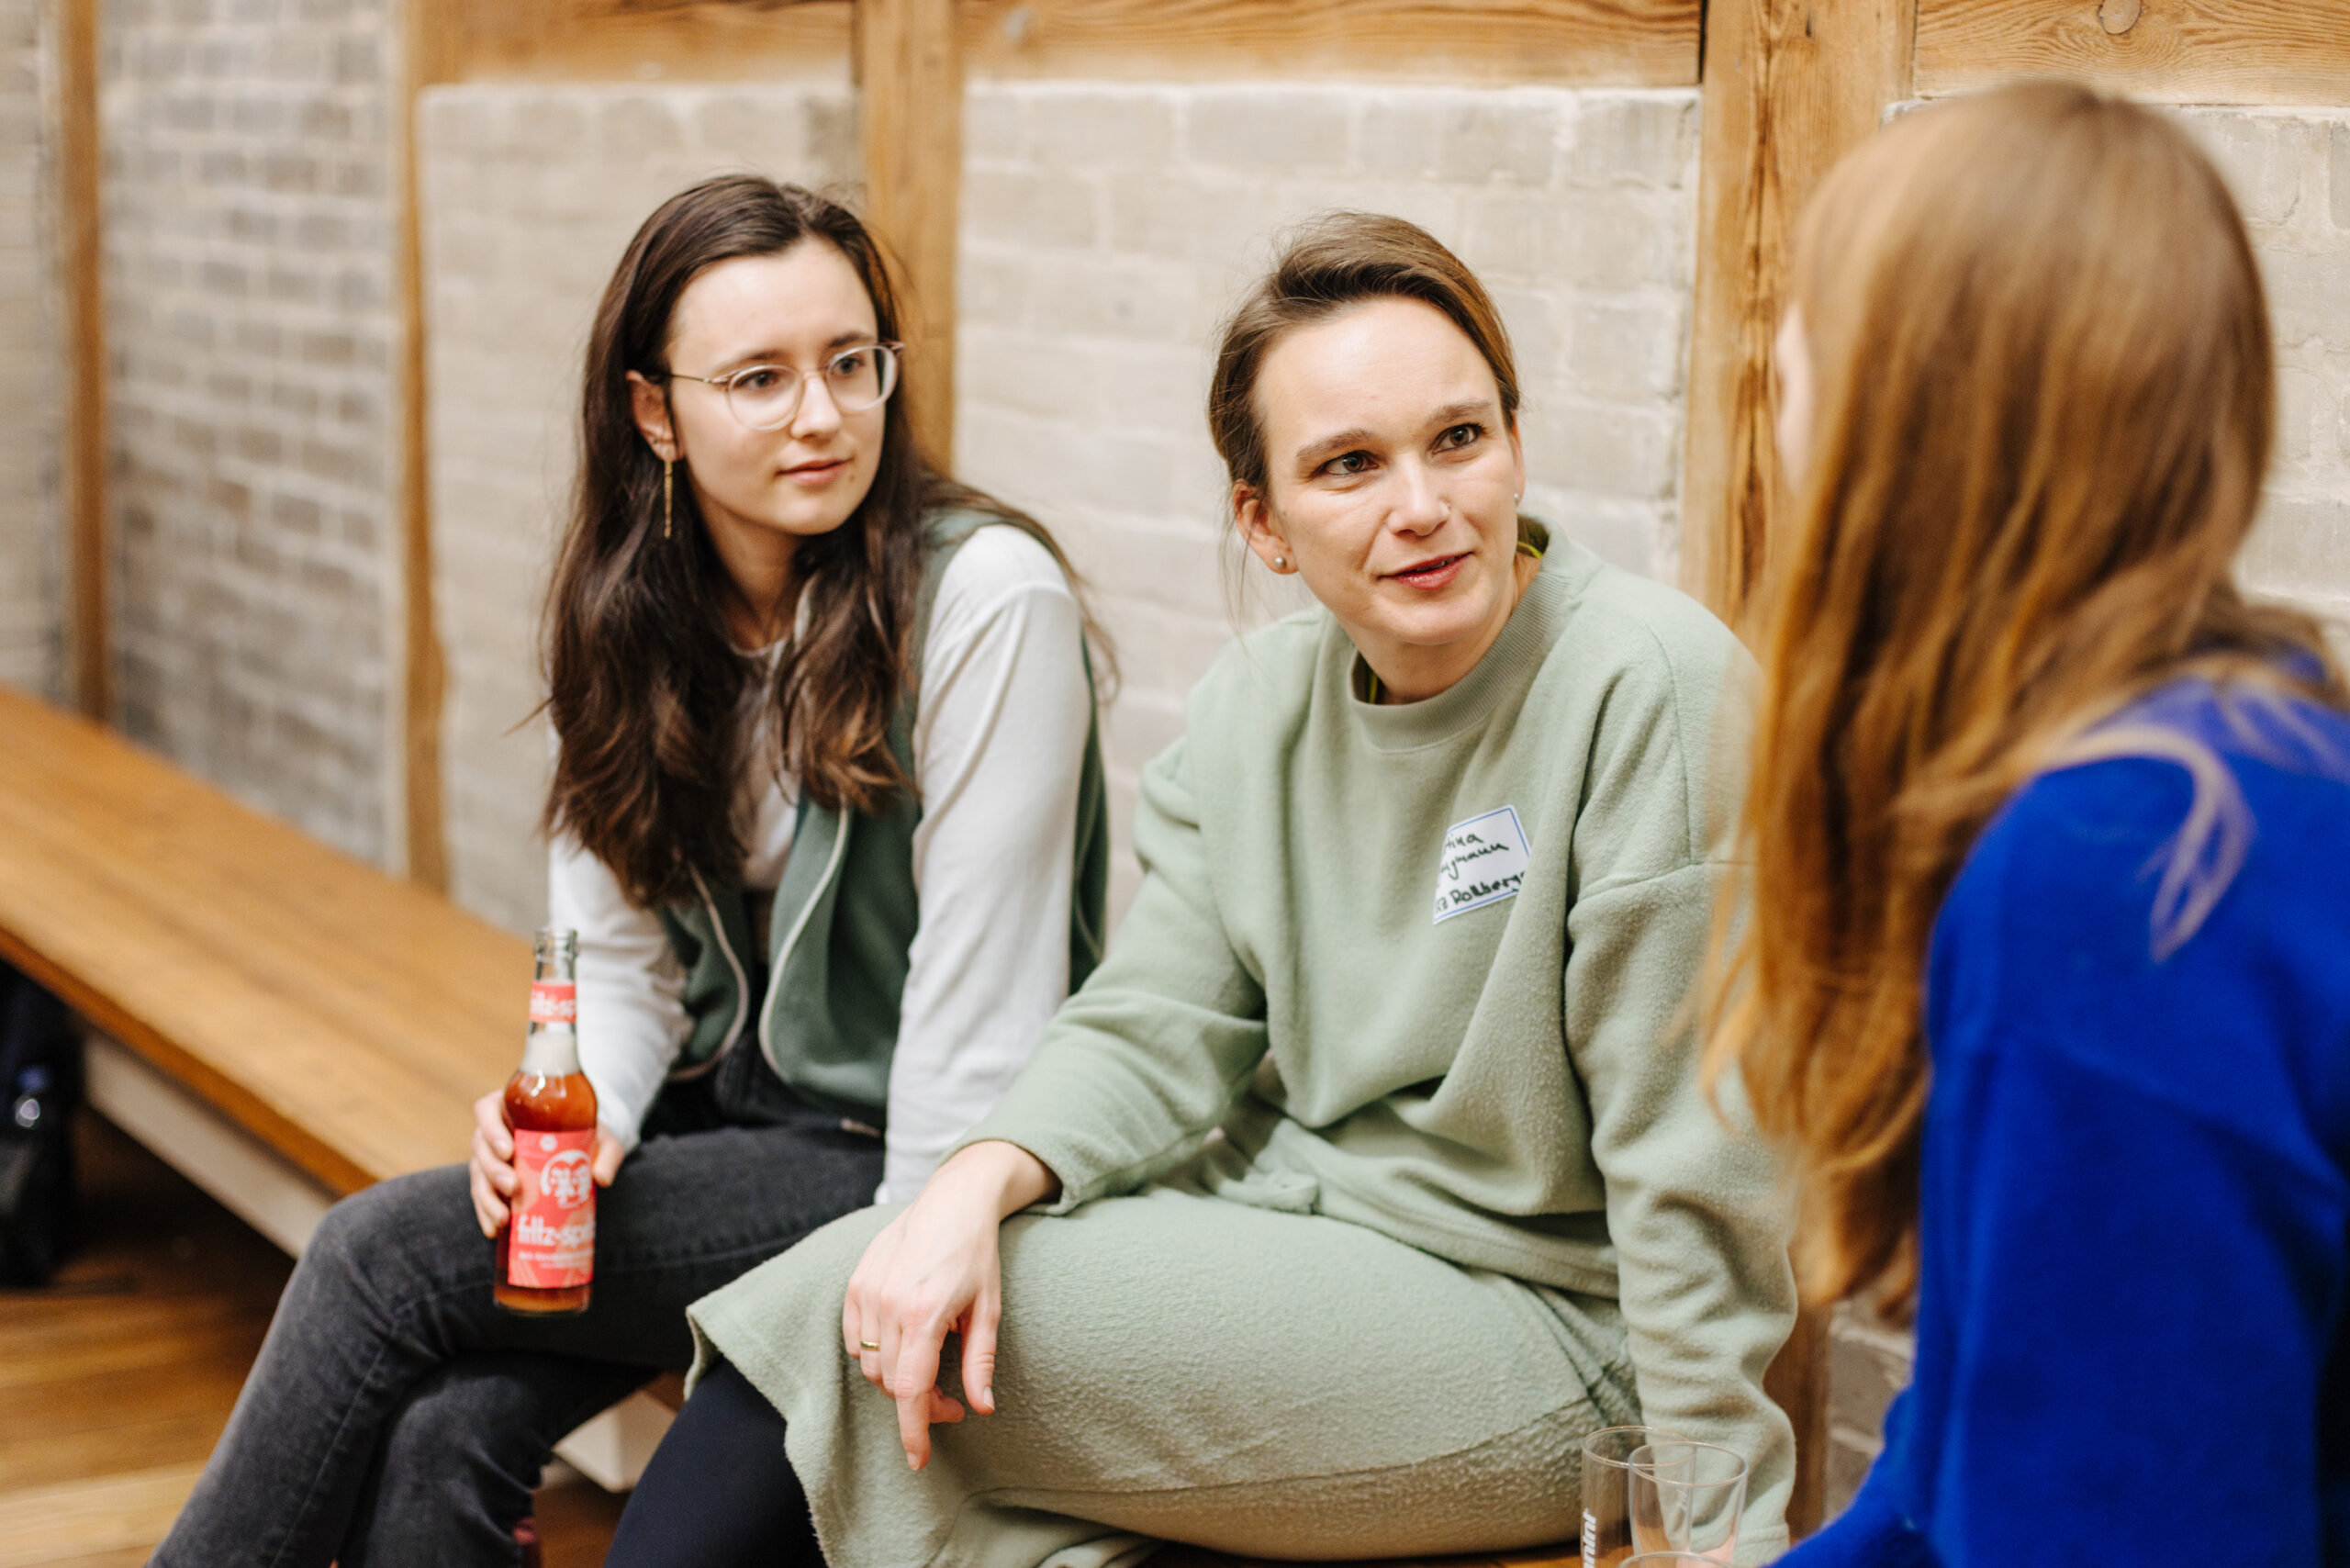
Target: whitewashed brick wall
pixel 1108 226
pixel 2291 172
pixel 251 259
pixel 31 591
pixel 2290 169
pixel 531 194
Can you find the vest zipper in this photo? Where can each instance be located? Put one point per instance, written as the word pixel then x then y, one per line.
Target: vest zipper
pixel 741 987
pixel 791 939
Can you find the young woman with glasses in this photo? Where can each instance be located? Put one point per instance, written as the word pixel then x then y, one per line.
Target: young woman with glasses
pixel 827 815
pixel 1374 1170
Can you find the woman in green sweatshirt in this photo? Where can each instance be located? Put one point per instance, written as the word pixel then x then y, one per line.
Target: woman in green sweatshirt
pixel 1371 1170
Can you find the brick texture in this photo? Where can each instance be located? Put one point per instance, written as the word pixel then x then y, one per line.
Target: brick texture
pixel 250 256
pixel 2291 169
pixel 1108 227
pixel 31 590
pixel 531 194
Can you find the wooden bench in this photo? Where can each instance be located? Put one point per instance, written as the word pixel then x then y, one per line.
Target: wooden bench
pixel 283 1023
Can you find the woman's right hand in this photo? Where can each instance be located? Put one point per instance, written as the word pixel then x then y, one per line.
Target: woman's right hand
pixel 492 1165
pixel 493 1162
pixel 933 1271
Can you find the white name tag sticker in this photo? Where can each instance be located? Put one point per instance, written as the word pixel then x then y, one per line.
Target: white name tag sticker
pixel 1483 862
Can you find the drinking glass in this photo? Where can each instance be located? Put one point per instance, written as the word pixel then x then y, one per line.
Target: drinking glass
pixel 1606 1489
pixel 1687 1496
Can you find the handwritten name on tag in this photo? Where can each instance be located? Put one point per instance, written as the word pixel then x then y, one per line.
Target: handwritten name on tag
pixel 1484 861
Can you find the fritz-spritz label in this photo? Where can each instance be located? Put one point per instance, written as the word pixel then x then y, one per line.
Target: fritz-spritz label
pixel 554 1002
pixel 553 1242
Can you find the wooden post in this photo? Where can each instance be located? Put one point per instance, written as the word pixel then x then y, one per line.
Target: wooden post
pixel 426 39
pixel 909 82
pixel 82 265
pixel 1790 86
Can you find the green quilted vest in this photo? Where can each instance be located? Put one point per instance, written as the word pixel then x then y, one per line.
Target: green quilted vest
pixel 844 918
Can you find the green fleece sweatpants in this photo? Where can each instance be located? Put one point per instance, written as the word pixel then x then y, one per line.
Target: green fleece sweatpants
pixel 1178 1366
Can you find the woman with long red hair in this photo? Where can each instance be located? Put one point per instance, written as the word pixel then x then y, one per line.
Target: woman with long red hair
pixel 2046 978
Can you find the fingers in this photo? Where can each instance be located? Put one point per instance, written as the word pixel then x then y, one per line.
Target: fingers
pixel 865 1342
pixel 978 1351
pixel 861 1306
pixel 491 1179
pixel 608 1154
pixel 489 1121
pixel 487 1210
pixel 912 1358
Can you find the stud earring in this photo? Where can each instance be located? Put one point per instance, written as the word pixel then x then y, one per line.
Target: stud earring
pixel 1281 562
pixel 668 500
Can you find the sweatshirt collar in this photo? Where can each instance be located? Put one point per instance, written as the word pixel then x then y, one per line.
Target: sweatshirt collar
pixel 1465 705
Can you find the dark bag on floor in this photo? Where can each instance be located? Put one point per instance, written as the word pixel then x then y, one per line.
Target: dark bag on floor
pixel 40 1082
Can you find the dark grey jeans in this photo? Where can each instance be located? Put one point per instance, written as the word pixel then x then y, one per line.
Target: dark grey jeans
pixel 396 1417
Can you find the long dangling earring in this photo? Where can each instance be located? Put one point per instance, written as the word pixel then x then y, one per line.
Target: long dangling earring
pixel 668 500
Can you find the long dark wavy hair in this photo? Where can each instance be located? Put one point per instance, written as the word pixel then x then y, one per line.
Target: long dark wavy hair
pixel 649 699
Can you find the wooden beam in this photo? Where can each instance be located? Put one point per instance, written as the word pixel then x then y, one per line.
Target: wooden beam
pixel 636 40
pixel 1790 86
pixel 82 265
pixel 2181 52
pixel 910 101
pixel 1617 42
pixel 427 41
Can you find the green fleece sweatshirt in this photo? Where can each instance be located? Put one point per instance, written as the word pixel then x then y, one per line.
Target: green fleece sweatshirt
pixel 1430 969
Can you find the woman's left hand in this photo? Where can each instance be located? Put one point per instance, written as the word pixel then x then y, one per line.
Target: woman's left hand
pixel 935 1271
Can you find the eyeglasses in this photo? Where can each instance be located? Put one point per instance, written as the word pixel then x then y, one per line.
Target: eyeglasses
pixel 766 397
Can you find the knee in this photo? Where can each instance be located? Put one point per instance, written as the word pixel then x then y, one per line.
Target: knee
pixel 383 1238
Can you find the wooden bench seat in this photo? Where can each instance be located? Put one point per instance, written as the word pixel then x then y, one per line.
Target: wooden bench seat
pixel 284 1023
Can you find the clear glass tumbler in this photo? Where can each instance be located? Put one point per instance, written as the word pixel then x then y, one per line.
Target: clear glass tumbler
pixel 1687 1496
pixel 1606 1490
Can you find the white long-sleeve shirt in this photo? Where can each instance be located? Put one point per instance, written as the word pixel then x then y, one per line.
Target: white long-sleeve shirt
pixel 999 738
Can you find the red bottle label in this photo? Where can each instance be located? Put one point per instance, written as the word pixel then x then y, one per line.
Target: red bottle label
pixel 554 1241
pixel 554 1002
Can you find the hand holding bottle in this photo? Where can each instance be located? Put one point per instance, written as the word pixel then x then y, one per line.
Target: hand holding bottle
pixel 493 1162
pixel 546 1126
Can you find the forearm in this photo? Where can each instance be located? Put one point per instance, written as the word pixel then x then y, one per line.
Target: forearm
pixel 996 1175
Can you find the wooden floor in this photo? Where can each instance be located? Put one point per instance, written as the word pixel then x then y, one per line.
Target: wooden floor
pixel 116 1381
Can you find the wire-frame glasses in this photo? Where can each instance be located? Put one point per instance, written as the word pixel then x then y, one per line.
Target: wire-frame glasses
pixel 766 397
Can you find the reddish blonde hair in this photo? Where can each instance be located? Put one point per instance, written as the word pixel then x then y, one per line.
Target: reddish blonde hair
pixel 2044 404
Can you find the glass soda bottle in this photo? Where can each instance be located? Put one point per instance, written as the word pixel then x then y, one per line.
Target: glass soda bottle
pixel 546 1255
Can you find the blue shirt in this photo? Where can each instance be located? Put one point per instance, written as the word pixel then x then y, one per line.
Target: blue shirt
pixel 2135 1208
